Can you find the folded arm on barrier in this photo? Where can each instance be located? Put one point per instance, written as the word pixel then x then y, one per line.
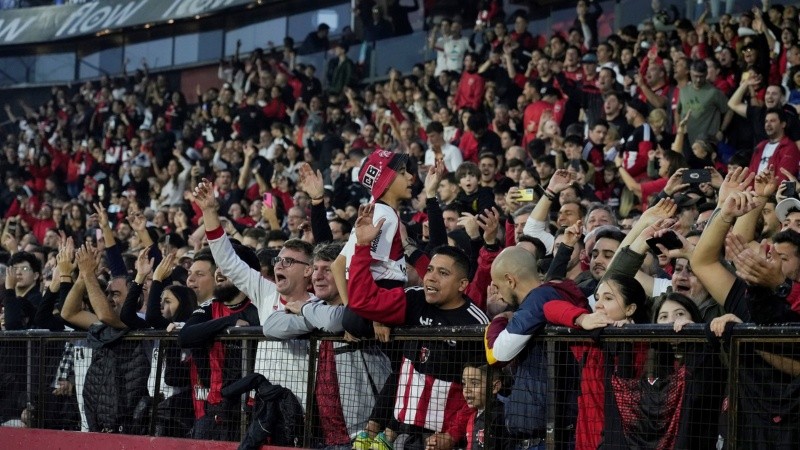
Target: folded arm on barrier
pixel 315 316
pixel 201 328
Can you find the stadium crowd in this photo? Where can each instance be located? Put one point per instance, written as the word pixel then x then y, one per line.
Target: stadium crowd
pixel 517 179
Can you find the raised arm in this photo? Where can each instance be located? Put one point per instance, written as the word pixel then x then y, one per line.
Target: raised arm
pixel 73 311
pixel 313 184
pixel 764 186
pixel 366 299
pixel 161 274
pixel 260 290
pixel 139 224
pixel 736 102
pixel 244 173
pixel 705 260
pixel 87 259
pixel 536 225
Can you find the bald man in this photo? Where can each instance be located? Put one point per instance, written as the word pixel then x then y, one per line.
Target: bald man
pixel 509 335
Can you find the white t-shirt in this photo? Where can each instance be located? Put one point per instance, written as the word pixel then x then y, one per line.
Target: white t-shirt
pixel 389 262
pixel 766 156
pixel 450 153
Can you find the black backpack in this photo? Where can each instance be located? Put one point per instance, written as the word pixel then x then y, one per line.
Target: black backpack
pixel 277 415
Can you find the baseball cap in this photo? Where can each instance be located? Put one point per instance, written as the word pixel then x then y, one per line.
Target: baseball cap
pixel 379 170
pixel 784 206
pixel 639 106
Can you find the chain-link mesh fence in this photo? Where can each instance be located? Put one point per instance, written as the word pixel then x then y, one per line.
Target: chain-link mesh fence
pixel 629 387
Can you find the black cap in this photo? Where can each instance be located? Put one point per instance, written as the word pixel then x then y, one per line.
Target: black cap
pixel 639 106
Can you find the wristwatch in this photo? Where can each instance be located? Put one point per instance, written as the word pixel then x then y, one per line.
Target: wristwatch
pixel 784 289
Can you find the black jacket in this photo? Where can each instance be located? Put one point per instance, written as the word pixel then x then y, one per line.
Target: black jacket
pixel 116 382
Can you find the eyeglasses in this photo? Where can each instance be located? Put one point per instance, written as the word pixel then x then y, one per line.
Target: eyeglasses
pixel 22 268
pixel 287 262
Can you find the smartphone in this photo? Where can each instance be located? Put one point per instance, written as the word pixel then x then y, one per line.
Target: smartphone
pixel 576 164
pixel 669 240
pixel 12 226
pixel 526 195
pixel 268 200
pixel 98 234
pixel 696 176
pixel 791 189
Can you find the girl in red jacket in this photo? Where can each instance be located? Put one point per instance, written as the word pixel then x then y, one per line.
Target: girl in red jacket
pixel 620 300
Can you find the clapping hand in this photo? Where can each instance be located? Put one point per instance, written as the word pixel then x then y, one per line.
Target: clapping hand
pixel 311 182
pixel 364 229
pixel 489 222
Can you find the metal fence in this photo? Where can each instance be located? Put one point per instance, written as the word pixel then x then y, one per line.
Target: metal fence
pixel 640 386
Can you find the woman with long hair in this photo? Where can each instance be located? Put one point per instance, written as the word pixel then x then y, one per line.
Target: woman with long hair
pixel 168 306
pixel 620 299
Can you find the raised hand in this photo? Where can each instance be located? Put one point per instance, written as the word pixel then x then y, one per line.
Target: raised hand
pixel 102 216
pixel 686 250
pixel 137 220
pixel 560 180
pixel 736 180
pixel 512 199
pixel 573 233
pixel 675 183
pixel 165 267
pixel 757 268
pixel 9 242
pixel 470 224
pixel 311 182
pixel 489 222
pixel 87 261
pixel 249 151
pixel 365 230
pixel 434 176
pixel 143 264
pixel 766 184
pixel 65 259
pixel 664 209
pixel 654 228
pixel 269 212
pixel 738 204
pixel 204 196
pixel 716 177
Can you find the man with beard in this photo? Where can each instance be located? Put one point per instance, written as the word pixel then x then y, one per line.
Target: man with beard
pixel 601 245
pixel 509 337
pixel 215 364
pixel 777 150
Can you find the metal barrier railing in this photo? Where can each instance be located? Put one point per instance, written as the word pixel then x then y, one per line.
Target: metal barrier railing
pixel 761 381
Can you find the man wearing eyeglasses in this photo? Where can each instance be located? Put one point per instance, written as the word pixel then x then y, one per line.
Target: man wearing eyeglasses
pixel 278 361
pixel 21 295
